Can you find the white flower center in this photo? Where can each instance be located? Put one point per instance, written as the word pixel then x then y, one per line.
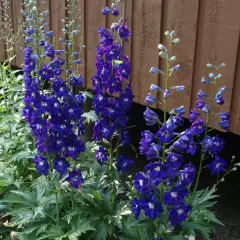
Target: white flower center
pixel 141 182
pixel 180 211
pixel 150 205
pixel 174 194
pixel 157 169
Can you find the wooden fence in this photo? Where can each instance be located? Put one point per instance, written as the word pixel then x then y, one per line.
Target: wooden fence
pixel 209 32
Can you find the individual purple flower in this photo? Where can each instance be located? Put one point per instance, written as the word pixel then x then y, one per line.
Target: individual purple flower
pixel 224 124
pixel 217 166
pixel 136 207
pixel 198 127
pixel 174 122
pixel 175 160
pixel 193 115
pixel 178 214
pixel 201 94
pixel 206 108
pixel 75 178
pixel 41 165
pixel 61 165
pixel 152 208
pixel 75 81
pixel 200 104
pixel 156 172
pixel 150 99
pixel 153 151
pixel 115 12
pixel 142 183
pixel 164 135
pixel 166 94
pixel 150 117
pixel 124 163
pixel 175 196
pixel 123 31
pixel 105 11
pixel 146 139
pixel 187 174
pixel 178 88
pixel 155 88
pixel 179 110
pixel 101 155
pixel 213 145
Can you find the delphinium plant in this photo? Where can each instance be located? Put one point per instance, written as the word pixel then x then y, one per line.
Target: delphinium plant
pixel 167 203
pixel 106 202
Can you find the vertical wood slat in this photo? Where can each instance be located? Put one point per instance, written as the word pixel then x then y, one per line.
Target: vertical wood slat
pixel 235 106
pixel 9 30
pixel 81 22
pixel 17 23
pixel 146 30
pixel 218 34
pixel 57 13
pixel 181 16
pixel 2 46
pixel 93 20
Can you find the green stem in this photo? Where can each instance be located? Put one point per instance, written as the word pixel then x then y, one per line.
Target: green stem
pixel 205 134
pixel 57 207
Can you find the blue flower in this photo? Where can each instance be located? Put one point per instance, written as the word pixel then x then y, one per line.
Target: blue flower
pixel 175 160
pixel 179 110
pixel 217 166
pixel 201 94
pixel 156 172
pixel 187 174
pixel 124 163
pixel 136 207
pixel 123 31
pixel 166 94
pixel 153 151
pixel 174 122
pixel 61 164
pixel 178 88
pixel 76 81
pixel 41 165
pixel 105 11
pixel 164 135
pixel 200 104
pixel 198 127
pixel 193 115
pixel 175 196
pixel 178 214
pixel 150 99
pixel 75 178
pixel 151 117
pixel 101 155
pixel 142 183
pixel 152 208
pixel 213 145
pixel 115 12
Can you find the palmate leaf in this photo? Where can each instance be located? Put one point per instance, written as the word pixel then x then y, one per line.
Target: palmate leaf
pixel 54 233
pixel 79 226
pixel 204 196
pixel 90 117
pixel 195 226
pixel 25 154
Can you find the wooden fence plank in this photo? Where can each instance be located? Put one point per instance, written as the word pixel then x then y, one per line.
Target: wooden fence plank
pixel 217 42
pixel 181 16
pixel 81 37
pixel 145 39
pixel 235 106
pixel 57 13
pixel 93 20
pixel 18 28
pixel 2 45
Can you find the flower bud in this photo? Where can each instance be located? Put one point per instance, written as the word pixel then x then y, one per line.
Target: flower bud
pixel 234 169
pixel 176 40
pixel 163 54
pixel 209 65
pixel 172 34
pixel 211 75
pixel 161 47
pixel 150 99
pixel 154 70
pixel 155 88
pixel 173 58
pixel 167 33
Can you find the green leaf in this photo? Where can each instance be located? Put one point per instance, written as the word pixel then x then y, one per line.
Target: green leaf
pixel 90 116
pixel 117 62
pixel 194 226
